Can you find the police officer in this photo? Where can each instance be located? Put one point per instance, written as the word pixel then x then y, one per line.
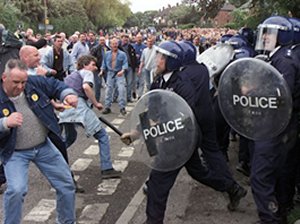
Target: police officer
pixel 274 37
pixel 191 82
pixel 291 176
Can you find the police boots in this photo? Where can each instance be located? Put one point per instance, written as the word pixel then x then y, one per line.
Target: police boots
pixel 236 193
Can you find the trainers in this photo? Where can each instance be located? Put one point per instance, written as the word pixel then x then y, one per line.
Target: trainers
pixel 106 111
pixel 123 111
pixel 111 173
pixel 236 193
pixel 243 168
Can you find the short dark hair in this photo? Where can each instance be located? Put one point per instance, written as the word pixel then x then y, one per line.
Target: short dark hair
pixel 85 60
pixel 56 37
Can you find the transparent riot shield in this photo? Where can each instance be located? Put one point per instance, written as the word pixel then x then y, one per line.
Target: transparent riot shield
pixel 216 58
pixel 167 129
pixel 254 99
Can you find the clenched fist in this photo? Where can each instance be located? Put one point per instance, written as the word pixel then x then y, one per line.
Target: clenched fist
pixel 14 120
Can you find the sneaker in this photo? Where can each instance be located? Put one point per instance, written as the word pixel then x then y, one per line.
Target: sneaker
pixel 111 173
pixel 236 193
pixel 106 111
pixel 123 111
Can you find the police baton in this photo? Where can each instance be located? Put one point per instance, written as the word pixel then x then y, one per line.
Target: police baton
pixel 111 126
pixel 126 140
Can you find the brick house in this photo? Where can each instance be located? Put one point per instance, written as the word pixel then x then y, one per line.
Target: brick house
pixel 224 15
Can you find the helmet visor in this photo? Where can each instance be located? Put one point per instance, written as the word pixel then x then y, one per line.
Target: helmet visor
pixel 266 38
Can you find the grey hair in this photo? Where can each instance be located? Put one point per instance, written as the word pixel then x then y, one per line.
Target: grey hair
pixel 14 63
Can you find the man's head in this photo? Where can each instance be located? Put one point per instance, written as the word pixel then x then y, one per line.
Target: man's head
pixel 102 40
pixel 82 37
pixel 14 77
pixel 139 38
pixel 92 36
pixel 125 39
pixel 274 31
pixel 150 42
pixel 30 56
pixel 87 62
pixel 58 42
pixel 114 44
pixel 169 57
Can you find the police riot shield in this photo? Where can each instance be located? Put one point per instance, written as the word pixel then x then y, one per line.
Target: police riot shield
pixel 254 99
pixel 167 129
pixel 216 58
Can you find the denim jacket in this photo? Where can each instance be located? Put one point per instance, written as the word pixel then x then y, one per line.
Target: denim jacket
pixel 38 91
pixel 68 62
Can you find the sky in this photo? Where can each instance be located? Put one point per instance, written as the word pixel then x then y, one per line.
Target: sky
pixel 145 5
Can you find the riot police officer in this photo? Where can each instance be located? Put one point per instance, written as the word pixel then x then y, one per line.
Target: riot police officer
pixel 275 35
pixel 292 168
pixel 190 80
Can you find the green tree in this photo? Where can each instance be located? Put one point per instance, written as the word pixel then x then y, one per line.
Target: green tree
pixel 68 16
pixel 9 15
pixel 206 8
pixel 106 14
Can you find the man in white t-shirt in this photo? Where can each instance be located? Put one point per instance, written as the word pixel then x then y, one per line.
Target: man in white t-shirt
pixel 82 81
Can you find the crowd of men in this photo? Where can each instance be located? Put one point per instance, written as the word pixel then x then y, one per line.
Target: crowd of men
pixel 128 64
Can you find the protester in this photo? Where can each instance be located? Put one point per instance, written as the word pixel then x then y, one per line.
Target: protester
pixel 24 97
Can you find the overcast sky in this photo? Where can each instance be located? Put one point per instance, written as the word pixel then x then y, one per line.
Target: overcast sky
pixel 144 5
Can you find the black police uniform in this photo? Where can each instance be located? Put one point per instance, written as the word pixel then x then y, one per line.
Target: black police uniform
pixel 192 84
pixel 269 156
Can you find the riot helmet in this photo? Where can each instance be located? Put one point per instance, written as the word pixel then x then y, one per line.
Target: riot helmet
pixel 296 25
pixel 248 34
pixel 189 52
pixel 244 52
pixel 173 53
pixel 273 32
pixel 238 41
pixel 225 38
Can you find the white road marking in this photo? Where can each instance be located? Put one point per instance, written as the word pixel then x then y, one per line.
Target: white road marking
pixel 126 152
pixel 128 109
pixel 117 121
pixel 120 165
pixel 92 150
pixel 42 211
pixel 132 207
pixel 81 164
pixel 92 214
pixel 108 186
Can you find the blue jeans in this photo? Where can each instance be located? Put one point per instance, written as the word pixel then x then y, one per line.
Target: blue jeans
pixel 53 166
pixel 121 85
pixel 147 75
pixel 103 141
pixel 97 86
pixel 141 83
pixel 129 81
pixel 104 149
